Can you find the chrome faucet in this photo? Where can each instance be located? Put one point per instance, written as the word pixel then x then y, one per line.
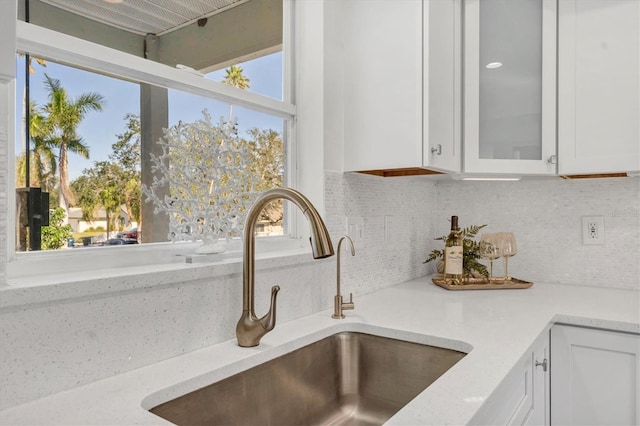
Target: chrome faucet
pixel 250 328
pixel 338 305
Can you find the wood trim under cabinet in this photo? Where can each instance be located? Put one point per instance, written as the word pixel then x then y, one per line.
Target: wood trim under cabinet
pixel 409 171
pixel 595 176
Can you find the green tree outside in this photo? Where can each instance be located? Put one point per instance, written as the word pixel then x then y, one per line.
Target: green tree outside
pixel 267 164
pixel 62 115
pixel 116 182
pixel 234 77
pixel 43 162
pixel 56 234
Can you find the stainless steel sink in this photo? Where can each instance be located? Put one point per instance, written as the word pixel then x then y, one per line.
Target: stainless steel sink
pixel 345 379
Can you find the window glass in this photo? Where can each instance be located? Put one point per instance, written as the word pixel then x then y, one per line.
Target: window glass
pixel 259 140
pixel 98 123
pixel 261 75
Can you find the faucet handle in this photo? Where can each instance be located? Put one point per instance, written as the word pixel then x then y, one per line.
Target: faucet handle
pixel 349 305
pixel 269 320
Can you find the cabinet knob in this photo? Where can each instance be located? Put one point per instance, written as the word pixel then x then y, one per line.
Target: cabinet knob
pixel 543 364
pixel 553 159
pixel 437 149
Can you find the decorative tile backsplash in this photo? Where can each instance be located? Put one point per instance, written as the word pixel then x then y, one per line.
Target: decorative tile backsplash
pixel 403 205
pixel 545 214
pixel 546 217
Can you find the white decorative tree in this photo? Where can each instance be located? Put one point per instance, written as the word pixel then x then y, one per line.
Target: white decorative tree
pixel 210 186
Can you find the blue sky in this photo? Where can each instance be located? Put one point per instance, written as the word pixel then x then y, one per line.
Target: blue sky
pixel 99 129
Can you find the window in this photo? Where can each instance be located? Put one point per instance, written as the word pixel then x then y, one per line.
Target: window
pixel 206 35
pixel 122 80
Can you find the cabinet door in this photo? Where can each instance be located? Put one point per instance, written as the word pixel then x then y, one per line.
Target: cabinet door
pixel 523 397
pixel 598 86
pixel 442 122
pixel 382 69
pixel 595 376
pixel 510 86
pixel 540 410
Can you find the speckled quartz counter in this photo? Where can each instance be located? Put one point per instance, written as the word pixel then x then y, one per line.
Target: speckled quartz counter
pixel 495 327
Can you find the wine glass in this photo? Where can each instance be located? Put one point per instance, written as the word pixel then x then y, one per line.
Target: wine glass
pixel 489 250
pixel 508 248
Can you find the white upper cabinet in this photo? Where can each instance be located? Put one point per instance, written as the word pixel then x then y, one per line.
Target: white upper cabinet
pixel 599 86
pixel 510 87
pixel 550 86
pixel 442 80
pixel 401 84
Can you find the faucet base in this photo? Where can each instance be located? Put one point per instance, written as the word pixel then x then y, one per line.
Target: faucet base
pixel 339 306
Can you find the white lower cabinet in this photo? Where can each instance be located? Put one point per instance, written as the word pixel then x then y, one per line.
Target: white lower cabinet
pixel 523 397
pixel 595 377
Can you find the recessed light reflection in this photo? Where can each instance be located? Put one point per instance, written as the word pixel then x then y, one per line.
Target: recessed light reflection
pixel 493 65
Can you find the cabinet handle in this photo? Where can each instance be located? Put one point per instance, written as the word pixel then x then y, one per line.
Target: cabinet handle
pixel 543 364
pixel 553 159
pixel 437 149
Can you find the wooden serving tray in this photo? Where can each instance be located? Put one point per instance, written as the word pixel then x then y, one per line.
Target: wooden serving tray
pixel 483 284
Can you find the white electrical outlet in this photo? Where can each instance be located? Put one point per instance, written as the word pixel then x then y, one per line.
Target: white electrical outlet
pixel 592 230
pixel 355 228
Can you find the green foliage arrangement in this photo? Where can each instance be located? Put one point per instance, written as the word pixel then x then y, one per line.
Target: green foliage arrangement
pixel 470 252
pixel 55 235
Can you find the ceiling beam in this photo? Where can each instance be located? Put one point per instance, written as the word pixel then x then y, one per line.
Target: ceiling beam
pixel 250 30
pixel 78 26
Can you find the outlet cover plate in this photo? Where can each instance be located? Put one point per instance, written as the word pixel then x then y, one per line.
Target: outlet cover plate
pixel 355 228
pixel 592 230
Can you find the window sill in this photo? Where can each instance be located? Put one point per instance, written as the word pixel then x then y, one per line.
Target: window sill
pixel 158 265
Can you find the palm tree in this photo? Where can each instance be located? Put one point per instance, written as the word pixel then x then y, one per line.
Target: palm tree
pixel 32 70
pixel 42 158
pixel 235 78
pixel 62 116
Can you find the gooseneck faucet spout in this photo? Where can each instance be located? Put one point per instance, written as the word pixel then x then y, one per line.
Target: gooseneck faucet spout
pixel 250 328
pixel 338 304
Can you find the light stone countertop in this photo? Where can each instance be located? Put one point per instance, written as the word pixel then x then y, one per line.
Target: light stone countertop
pixel 495 327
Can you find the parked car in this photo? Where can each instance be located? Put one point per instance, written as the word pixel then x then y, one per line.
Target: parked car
pixel 131 233
pixel 120 241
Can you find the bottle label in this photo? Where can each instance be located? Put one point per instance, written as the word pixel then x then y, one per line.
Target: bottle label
pixel 453 260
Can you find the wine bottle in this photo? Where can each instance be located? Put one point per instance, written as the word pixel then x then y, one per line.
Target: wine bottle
pixel 453 254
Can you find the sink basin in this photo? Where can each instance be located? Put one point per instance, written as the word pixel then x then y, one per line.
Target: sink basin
pixel 348 378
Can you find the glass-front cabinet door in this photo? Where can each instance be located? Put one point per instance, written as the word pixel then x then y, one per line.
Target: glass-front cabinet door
pixel 510 87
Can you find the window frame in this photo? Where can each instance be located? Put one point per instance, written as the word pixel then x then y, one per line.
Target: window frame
pixel 72 51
